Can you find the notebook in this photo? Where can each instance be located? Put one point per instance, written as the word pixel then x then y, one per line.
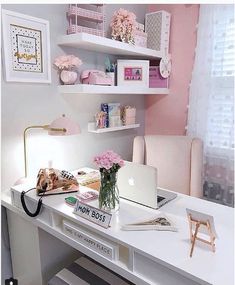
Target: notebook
pixel 138 183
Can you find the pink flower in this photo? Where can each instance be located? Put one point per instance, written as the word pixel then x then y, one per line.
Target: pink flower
pixel 109 160
pixel 123 26
pixel 67 62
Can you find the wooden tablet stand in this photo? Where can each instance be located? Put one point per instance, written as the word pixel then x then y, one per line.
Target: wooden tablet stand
pixel 193 236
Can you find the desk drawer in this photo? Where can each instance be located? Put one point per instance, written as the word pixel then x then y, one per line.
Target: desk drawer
pixel 90 240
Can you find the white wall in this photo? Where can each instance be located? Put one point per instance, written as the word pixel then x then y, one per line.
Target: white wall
pixel 32 104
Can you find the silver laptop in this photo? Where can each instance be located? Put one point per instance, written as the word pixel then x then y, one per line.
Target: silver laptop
pixel 138 183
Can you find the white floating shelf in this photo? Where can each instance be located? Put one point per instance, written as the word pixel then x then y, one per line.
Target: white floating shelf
pixel 98 89
pixel 105 45
pixel 114 129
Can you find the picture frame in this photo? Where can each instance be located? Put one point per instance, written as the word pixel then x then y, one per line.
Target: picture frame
pixel 199 216
pixel 26 43
pixel 133 73
pixel 201 223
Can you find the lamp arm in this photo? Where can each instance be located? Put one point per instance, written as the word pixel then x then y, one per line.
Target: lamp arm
pixel 44 127
pixel 56 129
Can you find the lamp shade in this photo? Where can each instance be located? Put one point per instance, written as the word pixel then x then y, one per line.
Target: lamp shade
pixel 68 126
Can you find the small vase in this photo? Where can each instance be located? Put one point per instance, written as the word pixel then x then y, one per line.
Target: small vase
pixel 68 77
pixel 109 194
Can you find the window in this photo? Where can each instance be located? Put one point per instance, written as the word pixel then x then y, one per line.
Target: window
pixel 211 101
pixel 221 102
pixel 223 62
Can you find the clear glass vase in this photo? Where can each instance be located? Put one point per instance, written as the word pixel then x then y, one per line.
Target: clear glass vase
pixel 109 194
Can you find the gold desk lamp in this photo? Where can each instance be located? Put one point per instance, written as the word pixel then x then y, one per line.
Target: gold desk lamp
pixel 59 127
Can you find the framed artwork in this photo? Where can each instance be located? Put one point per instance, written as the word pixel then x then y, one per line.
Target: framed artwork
pixel 201 223
pixel 198 216
pixel 133 72
pixel 26 42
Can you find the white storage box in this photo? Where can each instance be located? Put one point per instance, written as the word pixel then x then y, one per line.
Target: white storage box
pixel 157 26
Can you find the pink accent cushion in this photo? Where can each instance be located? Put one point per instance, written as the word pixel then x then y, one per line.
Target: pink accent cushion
pixel 178 160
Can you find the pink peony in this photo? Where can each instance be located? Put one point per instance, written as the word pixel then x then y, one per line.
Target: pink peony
pixel 67 62
pixel 109 160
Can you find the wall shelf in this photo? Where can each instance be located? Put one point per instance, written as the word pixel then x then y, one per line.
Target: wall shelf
pixel 106 130
pixel 98 89
pixel 105 45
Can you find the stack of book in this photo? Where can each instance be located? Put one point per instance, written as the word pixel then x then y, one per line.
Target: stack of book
pixel 89 179
pixel 113 115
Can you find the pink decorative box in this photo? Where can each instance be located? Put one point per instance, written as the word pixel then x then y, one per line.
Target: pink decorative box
pixel 155 79
pixel 95 77
pixel 141 39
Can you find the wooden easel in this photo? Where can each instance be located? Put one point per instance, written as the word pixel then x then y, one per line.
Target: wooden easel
pixel 193 236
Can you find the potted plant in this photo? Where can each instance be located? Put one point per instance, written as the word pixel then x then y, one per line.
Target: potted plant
pixel 67 65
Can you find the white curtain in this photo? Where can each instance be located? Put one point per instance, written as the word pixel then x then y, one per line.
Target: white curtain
pixel 211 101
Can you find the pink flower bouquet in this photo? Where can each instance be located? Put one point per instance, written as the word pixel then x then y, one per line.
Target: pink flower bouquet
pixel 123 26
pixel 109 160
pixel 109 163
pixel 67 62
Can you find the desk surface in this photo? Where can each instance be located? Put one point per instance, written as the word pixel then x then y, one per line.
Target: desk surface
pixel 170 249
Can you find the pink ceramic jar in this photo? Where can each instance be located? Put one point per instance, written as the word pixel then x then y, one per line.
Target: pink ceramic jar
pixel 68 77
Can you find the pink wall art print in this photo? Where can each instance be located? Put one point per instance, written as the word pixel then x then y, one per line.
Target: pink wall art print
pixel 133 73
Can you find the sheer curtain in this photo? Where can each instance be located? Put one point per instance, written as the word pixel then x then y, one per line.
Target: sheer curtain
pixel 211 101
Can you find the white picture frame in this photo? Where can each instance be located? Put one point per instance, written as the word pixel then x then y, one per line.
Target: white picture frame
pixel 133 73
pixel 199 216
pixel 26 43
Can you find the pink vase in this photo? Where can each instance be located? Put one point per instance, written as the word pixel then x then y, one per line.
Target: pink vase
pixel 68 77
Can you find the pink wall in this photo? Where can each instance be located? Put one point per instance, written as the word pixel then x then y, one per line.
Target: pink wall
pixel 167 114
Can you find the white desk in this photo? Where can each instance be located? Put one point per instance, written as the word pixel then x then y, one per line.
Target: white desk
pixel 145 257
